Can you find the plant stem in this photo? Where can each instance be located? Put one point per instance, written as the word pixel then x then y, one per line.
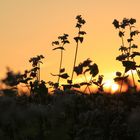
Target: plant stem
pixel 38 77
pixel 122 83
pixel 87 85
pixel 75 58
pixel 60 66
pixel 133 59
pixel 134 84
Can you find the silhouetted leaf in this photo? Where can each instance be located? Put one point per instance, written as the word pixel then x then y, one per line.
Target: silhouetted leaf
pixel 76 85
pixel 59 48
pixel 132 21
pixel 118 74
pixel 35 69
pixel 82 32
pixel 64 76
pixel 116 23
pixel 26 80
pixel 66 87
pixel 121 34
pixel 118 79
pixel 100 79
pixel 125 23
pixel 133 33
pixel 122 48
pixel 66 42
pixel 78 39
pixel 33 74
pixel 78 69
pixel 94 69
pixel 122 57
pixel 62 70
pixel 80 19
pixel 85 84
pixel 129 40
pixel 55 43
pixel 78 25
pixel 69 81
pixel 86 62
pixel 135 54
pixel 134 46
pixel 81 39
pixel 129 65
pixel 96 83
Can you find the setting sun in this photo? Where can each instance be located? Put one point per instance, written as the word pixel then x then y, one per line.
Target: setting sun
pixel 111 86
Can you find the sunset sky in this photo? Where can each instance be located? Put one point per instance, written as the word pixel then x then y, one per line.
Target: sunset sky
pixel 27 28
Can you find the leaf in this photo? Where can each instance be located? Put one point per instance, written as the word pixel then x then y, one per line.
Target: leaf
pixel 100 79
pixel 132 21
pixel 64 76
pixel 66 42
pixel 118 74
pixel 121 57
pixel 133 33
pixel 80 19
pixel 96 83
pixel 122 49
pixel 76 85
pixel 62 70
pixel 59 48
pixel 78 69
pixel 129 65
pixel 121 34
pixel 86 62
pixel 78 25
pixel 94 69
pixel 81 39
pixel 55 43
pixel 35 69
pixel 82 32
pixel 69 81
pixel 125 23
pixel 129 40
pixel 33 74
pixel 26 80
pixel 134 46
pixel 78 39
pixel 135 54
pixel 118 79
pixel 85 84
pixel 116 23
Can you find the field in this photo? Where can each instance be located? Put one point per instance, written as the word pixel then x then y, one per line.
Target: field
pixel 70 115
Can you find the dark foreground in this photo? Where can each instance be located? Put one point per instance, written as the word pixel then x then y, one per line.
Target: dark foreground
pixel 70 116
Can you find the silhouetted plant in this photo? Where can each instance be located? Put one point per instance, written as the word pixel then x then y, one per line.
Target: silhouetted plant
pixel 35 72
pixel 78 39
pixel 60 46
pixel 87 67
pixel 99 83
pixel 128 53
pixel 11 79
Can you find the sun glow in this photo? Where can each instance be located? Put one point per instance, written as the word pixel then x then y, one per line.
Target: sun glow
pixel 110 86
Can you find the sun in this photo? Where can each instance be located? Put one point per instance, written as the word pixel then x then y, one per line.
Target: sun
pixel 114 87
pixel 111 86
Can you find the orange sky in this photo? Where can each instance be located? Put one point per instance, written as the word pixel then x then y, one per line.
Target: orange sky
pixel 27 28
